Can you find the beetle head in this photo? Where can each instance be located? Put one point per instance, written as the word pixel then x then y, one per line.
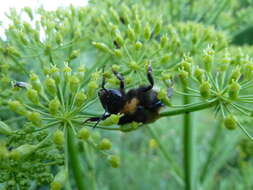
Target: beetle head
pixel 111 100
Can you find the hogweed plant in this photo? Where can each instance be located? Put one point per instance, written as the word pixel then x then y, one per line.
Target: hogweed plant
pixel 52 67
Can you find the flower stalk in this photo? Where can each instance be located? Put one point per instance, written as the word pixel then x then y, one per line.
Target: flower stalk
pixel 188 145
pixel 74 161
pixel 191 108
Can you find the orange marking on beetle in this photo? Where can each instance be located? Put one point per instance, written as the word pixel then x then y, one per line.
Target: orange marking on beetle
pixel 130 106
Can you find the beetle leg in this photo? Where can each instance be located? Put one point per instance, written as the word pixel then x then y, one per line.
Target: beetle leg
pixel 103 81
pixel 97 119
pixel 121 79
pixel 150 79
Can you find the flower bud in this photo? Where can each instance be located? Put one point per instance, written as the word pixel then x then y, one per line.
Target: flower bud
pixel 17 107
pixel 50 86
pixel 59 180
pixel 36 36
pixel 58 38
pixel 48 49
pixel 74 54
pixel 248 71
pixel 153 144
pixel 35 82
pixel 112 120
pixel 233 90
pixel 22 151
pixel 4 129
pixel 29 12
pixel 58 137
pixel 67 71
pixel 147 32
pixel 138 45
pixel 137 25
pixel 22 38
pixel 163 96
pixel 208 58
pixel 80 99
pixel 74 83
pixel 225 61
pixel 83 134
pixel 117 52
pixel 80 72
pixel 11 51
pixel 46 71
pixel 119 40
pixel 114 14
pixel 132 125
pixel 183 75
pixel 175 41
pixel 165 59
pixel 102 47
pixel 105 144
pixel 186 64
pixel 230 122
pixel 3 151
pixel 95 76
pixel 54 106
pixel 164 41
pixel 236 74
pixel 131 34
pixel 96 136
pixel 158 27
pixel 92 86
pixel 114 161
pixel 32 95
pixel 237 60
pixel 77 33
pixel 205 89
pixel 5 82
pixel 113 28
pixel 116 68
pixel 134 66
pixel 198 74
pixel 53 69
pixel 35 118
pixel 125 18
pixel 128 80
pixel 166 76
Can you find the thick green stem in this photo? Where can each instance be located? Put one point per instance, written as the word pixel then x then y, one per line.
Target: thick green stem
pixel 187 146
pixel 189 109
pixel 74 161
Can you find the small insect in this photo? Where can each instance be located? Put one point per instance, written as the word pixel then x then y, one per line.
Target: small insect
pixel 137 105
pixel 122 20
pixel 116 44
pixel 20 84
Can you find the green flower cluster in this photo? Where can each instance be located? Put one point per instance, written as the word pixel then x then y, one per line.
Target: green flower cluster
pixel 52 105
pixel 26 157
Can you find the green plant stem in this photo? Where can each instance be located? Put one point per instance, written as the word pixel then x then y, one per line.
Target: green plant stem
pixel 74 162
pixel 189 109
pixel 187 146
